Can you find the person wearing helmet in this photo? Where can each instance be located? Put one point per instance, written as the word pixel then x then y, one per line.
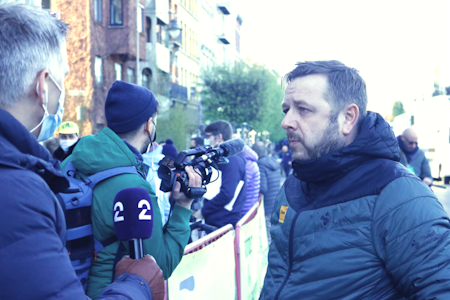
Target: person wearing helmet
pixel 68 138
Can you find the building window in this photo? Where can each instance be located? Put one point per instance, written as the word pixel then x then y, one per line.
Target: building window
pixel 130 75
pixel 118 69
pixel 45 4
pixel 140 23
pixel 98 11
pixel 116 12
pixel 146 78
pixel 98 69
pixel 148 29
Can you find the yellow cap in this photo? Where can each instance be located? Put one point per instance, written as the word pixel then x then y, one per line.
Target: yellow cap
pixel 69 128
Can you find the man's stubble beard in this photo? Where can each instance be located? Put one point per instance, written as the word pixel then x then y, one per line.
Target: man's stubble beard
pixel 331 141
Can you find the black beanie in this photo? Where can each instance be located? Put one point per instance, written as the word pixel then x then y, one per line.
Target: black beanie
pixel 128 106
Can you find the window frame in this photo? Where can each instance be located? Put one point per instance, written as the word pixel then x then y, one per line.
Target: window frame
pixel 111 13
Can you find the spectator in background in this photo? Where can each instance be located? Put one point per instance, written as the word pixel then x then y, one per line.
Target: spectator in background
pixel 68 138
pixel 253 177
pixel 225 197
pixel 169 149
pixel 286 160
pixel 270 181
pixel 197 141
pixel 152 159
pixel 412 157
pixel 51 144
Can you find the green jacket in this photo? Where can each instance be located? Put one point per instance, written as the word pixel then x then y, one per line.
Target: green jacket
pixel 105 151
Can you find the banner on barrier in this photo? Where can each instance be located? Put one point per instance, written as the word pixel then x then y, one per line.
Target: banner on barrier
pixel 208 273
pixel 253 255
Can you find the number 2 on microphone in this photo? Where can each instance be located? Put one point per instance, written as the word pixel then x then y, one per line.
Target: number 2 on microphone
pixel 118 207
pixel 144 203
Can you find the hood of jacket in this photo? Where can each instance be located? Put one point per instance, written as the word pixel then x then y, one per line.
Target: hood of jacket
pixel 153 158
pixel 375 140
pixel 106 150
pixel 269 162
pixel 250 155
pixel 19 149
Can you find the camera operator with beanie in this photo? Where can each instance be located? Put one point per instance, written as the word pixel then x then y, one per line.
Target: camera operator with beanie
pixel 68 138
pixel 130 112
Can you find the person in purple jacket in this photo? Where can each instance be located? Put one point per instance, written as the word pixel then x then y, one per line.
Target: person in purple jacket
pixel 253 177
pixel 34 263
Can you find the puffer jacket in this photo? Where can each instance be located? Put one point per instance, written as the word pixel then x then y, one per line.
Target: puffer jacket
pixel 33 261
pixel 355 224
pixel 270 181
pixel 253 179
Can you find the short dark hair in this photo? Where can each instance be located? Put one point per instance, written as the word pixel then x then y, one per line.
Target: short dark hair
pixel 259 148
pixel 222 127
pixel 346 86
pixel 198 141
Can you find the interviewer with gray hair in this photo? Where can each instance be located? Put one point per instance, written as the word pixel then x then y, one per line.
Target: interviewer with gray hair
pixel 34 263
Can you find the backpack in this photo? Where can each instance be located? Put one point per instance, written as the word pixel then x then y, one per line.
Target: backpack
pixel 77 202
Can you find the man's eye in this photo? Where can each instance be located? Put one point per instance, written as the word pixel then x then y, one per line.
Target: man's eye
pixel 302 109
pixel 285 111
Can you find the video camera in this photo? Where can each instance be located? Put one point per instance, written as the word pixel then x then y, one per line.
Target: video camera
pixel 205 158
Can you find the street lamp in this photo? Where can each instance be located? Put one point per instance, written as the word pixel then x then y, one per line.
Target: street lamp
pixel 174 29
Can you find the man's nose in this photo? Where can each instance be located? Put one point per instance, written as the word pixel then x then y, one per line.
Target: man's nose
pixel 288 122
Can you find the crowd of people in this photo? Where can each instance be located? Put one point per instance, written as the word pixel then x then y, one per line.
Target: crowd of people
pixel 355 218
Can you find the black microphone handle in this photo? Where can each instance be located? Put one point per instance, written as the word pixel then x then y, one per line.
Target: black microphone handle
pixel 136 248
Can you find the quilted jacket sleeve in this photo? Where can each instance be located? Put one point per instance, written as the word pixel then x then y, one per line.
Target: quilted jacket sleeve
pixel 411 233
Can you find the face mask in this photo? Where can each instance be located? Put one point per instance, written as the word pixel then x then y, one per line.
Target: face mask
pixel 50 122
pixel 66 144
pixel 152 138
pixel 206 142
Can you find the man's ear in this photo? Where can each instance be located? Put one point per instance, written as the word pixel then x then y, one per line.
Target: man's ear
pixel 351 116
pixel 41 87
pixel 220 138
pixel 148 126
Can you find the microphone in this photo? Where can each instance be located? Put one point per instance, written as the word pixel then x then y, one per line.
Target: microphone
pixel 232 147
pixel 133 219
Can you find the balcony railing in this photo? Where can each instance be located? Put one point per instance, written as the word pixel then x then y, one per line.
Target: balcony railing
pixel 179 92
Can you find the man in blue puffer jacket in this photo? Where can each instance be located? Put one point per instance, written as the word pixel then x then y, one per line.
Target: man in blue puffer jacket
pixel 350 222
pixel 33 261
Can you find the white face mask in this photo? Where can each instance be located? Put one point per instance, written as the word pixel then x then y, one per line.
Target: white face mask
pixel 206 142
pixel 66 144
pixel 50 122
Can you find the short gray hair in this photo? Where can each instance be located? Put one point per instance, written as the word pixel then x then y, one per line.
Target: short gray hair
pixel 31 40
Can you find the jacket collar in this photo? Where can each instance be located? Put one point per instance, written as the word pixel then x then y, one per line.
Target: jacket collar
pixel 375 140
pixel 19 149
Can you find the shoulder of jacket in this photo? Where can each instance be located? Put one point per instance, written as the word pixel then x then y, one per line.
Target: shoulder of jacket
pixel 399 192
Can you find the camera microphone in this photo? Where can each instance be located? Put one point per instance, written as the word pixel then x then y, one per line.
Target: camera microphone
pixel 232 147
pixel 133 219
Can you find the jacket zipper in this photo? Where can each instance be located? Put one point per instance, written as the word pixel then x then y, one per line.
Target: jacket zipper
pixel 290 256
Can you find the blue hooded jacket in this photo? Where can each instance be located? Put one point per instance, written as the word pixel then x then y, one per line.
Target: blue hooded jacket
pixel 355 224
pixel 33 261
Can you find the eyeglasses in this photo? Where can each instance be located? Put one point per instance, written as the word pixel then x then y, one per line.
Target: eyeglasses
pixel 210 135
pixel 409 142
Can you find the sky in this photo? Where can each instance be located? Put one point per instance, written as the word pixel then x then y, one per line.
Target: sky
pixel 400 47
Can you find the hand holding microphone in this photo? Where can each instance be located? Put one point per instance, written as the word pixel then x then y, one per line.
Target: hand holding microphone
pixel 133 222
pixel 147 269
